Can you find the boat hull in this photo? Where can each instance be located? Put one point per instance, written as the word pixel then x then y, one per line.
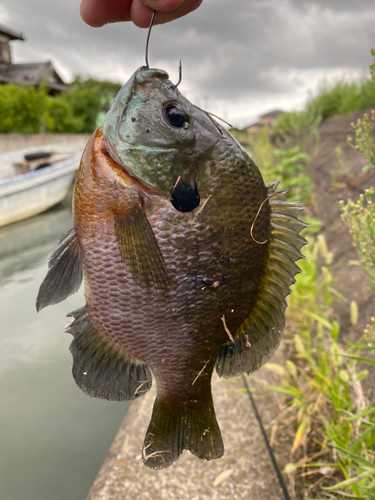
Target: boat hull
pixel 32 193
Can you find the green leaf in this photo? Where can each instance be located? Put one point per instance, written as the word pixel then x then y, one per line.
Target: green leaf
pixel 323 321
pixel 360 358
pixel 350 481
pixel 356 458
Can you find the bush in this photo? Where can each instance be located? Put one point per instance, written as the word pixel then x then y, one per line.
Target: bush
pixel 88 100
pixel 81 108
pixel 23 109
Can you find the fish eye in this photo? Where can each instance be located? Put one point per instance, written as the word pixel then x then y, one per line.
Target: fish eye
pixel 175 115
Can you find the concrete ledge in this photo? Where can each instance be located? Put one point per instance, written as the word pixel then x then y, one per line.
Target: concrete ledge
pixel 244 472
pixel 13 142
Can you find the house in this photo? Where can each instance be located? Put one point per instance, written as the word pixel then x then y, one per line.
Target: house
pixel 268 119
pixel 27 73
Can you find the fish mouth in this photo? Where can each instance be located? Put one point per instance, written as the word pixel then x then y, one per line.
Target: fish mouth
pixel 185 196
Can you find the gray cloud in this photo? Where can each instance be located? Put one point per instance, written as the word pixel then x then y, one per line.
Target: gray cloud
pixel 237 55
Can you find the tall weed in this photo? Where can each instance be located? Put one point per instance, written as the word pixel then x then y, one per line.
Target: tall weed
pixel 359 216
pixel 334 438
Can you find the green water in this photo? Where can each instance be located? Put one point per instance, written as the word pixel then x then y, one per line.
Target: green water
pixel 53 438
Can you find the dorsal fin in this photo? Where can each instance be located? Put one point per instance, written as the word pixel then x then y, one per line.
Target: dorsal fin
pixel 64 276
pixel 259 335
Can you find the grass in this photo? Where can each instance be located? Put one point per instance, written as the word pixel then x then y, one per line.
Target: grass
pixel 342 97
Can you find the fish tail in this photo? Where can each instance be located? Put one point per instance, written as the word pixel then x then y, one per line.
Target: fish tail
pixel 174 428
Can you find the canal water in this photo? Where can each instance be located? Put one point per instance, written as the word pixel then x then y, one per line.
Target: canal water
pixel 53 438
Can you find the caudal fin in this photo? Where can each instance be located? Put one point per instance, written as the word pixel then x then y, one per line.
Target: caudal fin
pixel 177 427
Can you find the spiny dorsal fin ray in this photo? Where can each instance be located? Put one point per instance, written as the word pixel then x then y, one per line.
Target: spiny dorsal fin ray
pixel 279 263
pixel 100 367
pixel 139 249
pixel 64 276
pixel 259 335
pixel 287 221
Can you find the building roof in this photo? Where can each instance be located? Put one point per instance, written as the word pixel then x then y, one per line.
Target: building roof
pixel 11 33
pixel 273 114
pixel 257 126
pixel 31 74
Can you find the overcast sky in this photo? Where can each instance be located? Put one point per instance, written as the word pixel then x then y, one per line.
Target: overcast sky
pixel 240 58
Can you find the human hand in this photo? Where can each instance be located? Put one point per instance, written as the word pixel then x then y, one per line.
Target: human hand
pixel 99 12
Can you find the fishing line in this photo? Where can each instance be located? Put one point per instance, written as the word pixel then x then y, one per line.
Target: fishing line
pixel 268 446
pixel 212 114
pixel 257 215
pixel 253 224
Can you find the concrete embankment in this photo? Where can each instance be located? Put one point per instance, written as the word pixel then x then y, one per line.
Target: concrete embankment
pixel 12 142
pixel 244 472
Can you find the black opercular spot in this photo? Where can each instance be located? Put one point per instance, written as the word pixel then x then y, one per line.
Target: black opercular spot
pixel 175 115
pixel 185 197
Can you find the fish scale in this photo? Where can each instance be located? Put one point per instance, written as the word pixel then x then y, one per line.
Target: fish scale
pixel 186 257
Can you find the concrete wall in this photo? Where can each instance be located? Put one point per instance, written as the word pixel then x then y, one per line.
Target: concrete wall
pixel 12 142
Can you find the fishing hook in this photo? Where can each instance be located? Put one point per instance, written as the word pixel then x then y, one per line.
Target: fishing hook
pixel 146 54
pixel 148 39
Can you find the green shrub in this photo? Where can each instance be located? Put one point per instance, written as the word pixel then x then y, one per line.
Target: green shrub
pixel 30 109
pixel 89 100
pixel 23 109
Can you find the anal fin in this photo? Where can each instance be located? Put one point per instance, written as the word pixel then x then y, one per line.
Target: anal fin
pixel 64 276
pixel 100 367
pixel 139 249
pixel 177 427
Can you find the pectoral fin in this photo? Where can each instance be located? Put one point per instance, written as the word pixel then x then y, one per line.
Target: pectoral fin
pixel 64 276
pixel 139 249
pixel 259 335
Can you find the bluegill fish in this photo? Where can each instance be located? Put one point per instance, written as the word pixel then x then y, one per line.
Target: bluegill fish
pixel 186 257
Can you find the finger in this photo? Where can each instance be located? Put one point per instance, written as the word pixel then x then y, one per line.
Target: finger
pixel 141 14
pixel 163 5
pixel 96 13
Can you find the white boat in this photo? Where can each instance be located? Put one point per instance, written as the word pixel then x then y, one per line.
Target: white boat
pixel 34 179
